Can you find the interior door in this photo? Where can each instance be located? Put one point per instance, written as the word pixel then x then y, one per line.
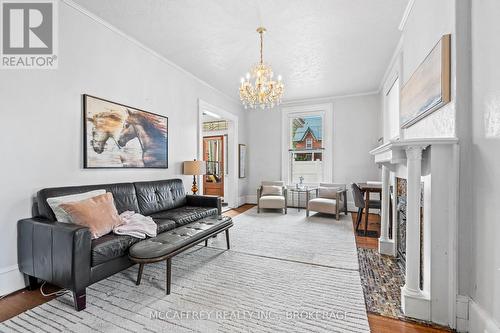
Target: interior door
pixel 213 154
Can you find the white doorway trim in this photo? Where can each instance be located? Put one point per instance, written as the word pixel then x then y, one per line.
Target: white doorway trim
pixel 232 146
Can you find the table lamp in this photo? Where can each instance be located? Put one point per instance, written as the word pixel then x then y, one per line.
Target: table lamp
pixel 195 168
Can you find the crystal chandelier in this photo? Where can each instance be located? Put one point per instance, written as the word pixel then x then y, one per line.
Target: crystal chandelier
pixel 258 89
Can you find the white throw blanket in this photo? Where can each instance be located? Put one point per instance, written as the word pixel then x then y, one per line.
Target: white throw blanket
pixel 135 225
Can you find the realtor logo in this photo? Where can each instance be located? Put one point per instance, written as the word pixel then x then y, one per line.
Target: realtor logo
pixel 29 34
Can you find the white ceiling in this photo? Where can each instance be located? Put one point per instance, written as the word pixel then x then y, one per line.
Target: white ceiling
pixel 320 47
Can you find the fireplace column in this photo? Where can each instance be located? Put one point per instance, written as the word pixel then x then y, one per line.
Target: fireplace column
pixel 385 244
pixel 413 301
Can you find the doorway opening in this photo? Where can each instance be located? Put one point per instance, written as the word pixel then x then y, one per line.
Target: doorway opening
pixel 218 144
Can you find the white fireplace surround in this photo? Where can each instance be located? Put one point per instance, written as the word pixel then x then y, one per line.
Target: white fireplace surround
pixel 433 162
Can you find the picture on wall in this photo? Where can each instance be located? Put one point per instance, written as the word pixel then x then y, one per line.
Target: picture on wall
pixel 120 136
pixel 242 158
pixel 428 89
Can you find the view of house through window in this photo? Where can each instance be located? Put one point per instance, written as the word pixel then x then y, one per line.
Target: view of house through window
pixel 306 149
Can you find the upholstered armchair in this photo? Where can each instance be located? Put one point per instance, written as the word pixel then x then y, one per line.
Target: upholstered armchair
pixel 272 195
pixel 330 199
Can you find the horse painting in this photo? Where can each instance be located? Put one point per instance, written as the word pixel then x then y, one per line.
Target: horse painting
pixel 106 125
pixel 151 132
pixel 117 136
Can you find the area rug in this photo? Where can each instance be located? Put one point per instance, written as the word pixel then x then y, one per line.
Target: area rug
pixel 216 290
pixel 318 239
pixel 382 279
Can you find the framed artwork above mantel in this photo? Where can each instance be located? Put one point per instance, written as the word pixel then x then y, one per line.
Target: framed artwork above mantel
pixel 428 89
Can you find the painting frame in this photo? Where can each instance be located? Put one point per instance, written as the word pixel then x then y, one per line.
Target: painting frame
pixel 85 114
pixel 242 160
pixel 429 87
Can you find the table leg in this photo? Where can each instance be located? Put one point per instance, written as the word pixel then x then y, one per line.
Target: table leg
pixel 169 275
pixel 298 201
pixel 367 201
pixel 227 239
pixel 139 274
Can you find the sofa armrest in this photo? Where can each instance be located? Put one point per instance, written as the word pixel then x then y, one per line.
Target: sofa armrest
pixel 205 201
pixel 56 252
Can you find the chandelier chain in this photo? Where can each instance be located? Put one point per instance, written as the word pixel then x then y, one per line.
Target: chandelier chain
pixel 261 47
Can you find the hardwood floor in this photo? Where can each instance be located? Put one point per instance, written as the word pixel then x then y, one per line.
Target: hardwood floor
pixel 237 211
pixel 373 225
pixel 379 324
pixel 23 300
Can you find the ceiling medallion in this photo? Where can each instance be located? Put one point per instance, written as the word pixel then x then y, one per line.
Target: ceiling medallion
pixel 258 89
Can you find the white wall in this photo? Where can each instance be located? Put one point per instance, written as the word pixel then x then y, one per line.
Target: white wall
pixel 41 117
pixel 355 133
pixel 427 22
pixel 485 194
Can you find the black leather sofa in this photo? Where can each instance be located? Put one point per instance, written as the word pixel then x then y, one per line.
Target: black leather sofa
pixel 64 254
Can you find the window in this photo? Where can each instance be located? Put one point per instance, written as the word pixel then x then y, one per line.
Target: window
pixel 307 144
pixel 306 149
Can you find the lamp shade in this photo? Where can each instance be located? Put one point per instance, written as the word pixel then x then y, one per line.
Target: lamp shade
pixel 195 168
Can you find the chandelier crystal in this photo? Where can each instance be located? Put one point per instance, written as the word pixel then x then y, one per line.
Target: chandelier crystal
pixel 258 88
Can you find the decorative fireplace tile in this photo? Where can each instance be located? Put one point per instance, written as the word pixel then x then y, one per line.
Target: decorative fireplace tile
pixel 382 278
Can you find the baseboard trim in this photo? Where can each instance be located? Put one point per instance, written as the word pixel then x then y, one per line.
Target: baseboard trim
pixel 481 321
pixel 11 279
pixel 251 199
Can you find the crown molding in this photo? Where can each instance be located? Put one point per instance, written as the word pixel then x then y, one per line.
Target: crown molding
pixel 326 99
pixel 406 14
pixel 134 41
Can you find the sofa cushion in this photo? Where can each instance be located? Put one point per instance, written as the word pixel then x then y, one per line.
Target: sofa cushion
pixel 322 205
pixel 328 192
pixel 109 247
pixel 164 225
pixel 99 214
pixel 185 214
pixel 56 202
pixel 271 190
pixel 156 196
pixel 272 201
pixel 123 195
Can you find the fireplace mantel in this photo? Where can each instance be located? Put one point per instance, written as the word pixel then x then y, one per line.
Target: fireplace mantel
pixel 394 152
pixel 432 162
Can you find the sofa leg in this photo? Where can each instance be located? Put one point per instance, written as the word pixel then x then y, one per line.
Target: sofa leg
pixel 32 282
pixel 206 242
pixel 79 298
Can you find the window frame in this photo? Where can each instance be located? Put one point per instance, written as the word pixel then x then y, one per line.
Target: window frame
pixel 324 110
